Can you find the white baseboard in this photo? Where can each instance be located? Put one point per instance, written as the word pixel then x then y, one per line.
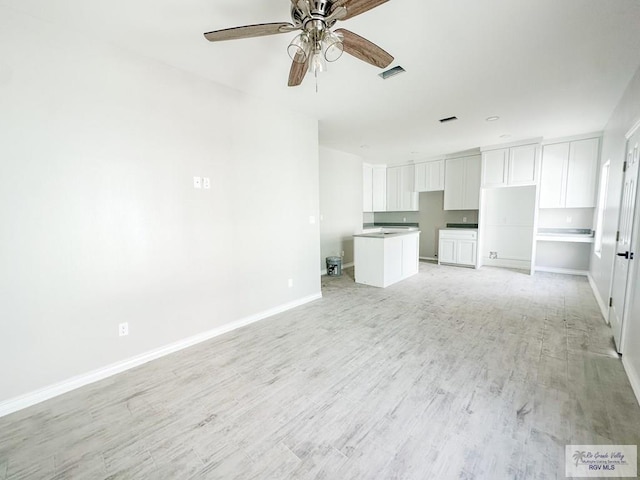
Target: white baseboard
pixel 604 309
pixel 507 263
pixel 564 271
pixel 346 265
pixel 429 259
pixel 634 377
pixel 37 396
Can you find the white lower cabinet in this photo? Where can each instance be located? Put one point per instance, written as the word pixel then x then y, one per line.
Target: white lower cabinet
pixel 382 260
pixel 458 247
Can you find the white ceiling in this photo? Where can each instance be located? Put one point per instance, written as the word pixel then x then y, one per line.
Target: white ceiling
pixel 548 68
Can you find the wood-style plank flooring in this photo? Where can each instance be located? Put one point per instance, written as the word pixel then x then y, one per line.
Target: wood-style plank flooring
pixel 451 374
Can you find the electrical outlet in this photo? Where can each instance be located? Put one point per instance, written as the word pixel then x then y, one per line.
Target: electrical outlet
pixel 569 219
pixel 464 219
pixel 206 183
pixel 290 282
pixel 197 182
pixel 493 255
pixel 123 329
pixel 404 219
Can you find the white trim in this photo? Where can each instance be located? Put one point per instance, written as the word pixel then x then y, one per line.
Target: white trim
pixel 37 396
pixel 632 130
pixel 634 377
pixel 517 143
pixel 572 138
pixel 604 309
pixel 428 259
pixel 564 271
pixel 507 263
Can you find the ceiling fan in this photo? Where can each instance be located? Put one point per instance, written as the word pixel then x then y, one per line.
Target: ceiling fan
pixel 317 43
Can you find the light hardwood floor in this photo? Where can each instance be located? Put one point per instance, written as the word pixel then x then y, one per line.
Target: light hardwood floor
pixel 451 374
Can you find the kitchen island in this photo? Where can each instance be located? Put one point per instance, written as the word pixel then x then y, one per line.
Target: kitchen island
pixel 386 256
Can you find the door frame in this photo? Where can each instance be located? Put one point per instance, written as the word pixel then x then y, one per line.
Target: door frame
pixel 635 239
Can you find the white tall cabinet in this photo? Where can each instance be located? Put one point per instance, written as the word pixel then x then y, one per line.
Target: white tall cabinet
pixel 569 172
pixel 462 183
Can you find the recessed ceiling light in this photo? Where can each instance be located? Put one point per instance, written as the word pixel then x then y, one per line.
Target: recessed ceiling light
pixel 493 119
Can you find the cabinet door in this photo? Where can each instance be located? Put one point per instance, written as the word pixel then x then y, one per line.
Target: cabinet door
pixel 447 250
pixel 581 174
pixel 408 195
pixel 421 180
pixel 523 165
pixel 393 189
pixel 392 260
pixel 472 167
pixel 494 167
pixel 454 184
pixel 379 189
pixel 553 177
pixel 409 255
pixel 367 188
pixel 435 176
pixel 466 252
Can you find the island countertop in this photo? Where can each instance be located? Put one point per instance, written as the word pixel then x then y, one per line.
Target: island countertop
pixel 388 233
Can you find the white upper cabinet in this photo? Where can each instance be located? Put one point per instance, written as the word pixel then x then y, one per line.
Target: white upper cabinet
pixel 429 176
pixel 523 165
pixel 462 183
pixel 401 195
pixel 569 171
pixel 367 188
pixel 553 180
pixel 374 188
pixel 495 167
pixel 379 189
pixel 582 173
pixel 510 166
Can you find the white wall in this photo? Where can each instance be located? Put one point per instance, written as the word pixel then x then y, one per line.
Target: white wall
pixel 100 222
pixel 340 203
pixel 626 113
pixel 625 116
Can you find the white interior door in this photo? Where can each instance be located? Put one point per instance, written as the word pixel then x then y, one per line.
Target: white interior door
pixel 624 254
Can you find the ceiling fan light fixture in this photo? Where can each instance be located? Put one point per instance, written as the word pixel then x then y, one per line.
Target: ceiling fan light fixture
pixel 300 48
pixel 332 46
pixel 317 64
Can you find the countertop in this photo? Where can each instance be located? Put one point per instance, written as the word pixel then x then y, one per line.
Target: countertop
pixel 571 235
pixel 389 232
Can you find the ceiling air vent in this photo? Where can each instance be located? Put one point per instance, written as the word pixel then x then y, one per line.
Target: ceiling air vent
pixel 448 119
pixel 391 72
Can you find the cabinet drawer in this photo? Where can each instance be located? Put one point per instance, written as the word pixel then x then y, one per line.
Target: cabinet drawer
pixel 461 234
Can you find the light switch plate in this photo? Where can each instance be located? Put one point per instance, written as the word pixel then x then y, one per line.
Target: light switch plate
pixel 206 183
pixel 312 219
pixel 197 182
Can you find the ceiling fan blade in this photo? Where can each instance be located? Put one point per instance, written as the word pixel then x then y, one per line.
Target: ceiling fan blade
pixel 363 49
pixel 356 7
pixel 298 71
pixel 249 31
